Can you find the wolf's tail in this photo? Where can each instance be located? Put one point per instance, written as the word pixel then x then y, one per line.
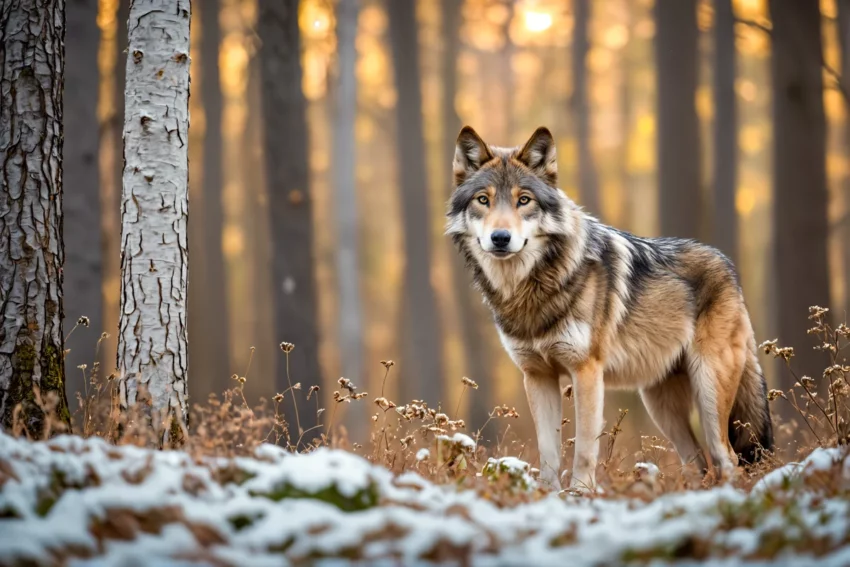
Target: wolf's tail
pixel 751 407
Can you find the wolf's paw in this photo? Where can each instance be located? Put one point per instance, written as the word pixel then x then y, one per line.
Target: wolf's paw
pixel 582 481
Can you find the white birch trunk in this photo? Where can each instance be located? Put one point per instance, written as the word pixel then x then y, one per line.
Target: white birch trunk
pixel 152 339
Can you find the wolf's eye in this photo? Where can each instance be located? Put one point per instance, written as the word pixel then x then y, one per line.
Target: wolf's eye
pixel 484 200
pixel 524 200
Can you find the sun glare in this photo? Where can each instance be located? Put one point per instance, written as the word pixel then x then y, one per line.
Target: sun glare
pixel 537 21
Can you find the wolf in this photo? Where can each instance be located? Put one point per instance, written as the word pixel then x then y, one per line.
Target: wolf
pixel 574 298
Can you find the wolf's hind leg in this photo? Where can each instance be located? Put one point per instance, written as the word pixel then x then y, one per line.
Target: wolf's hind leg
pixel 544 399
pixel 715 385
pixel 669 405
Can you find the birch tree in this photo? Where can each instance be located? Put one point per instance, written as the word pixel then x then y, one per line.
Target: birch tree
pixel 152 342
pixel 31 250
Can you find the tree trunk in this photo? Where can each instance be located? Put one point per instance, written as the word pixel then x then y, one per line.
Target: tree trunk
pixel 83 263
pixel 678 128
pixel 291 218
pixel 213 364
pixel 111 105
pixel 474 342
pixel 32 52
pixel 844 227
pixel 725 131
pixel 588 182
pixel 799 177
pixel 152 340
pixel 345 190
pixel 422 367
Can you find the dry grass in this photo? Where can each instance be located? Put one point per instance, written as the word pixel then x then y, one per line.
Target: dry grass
pixel 227 426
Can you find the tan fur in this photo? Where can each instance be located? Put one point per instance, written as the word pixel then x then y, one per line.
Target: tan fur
pixel 606 309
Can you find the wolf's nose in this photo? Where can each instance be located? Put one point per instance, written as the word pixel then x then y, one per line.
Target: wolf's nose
pixel 500 238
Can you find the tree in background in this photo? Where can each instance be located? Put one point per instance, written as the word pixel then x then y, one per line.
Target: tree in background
pixel 32 366
pixel 208 315
pixel 290 210
pixel 345 202
pixel 844 223
pixel 725 233
pixel 468 300
pixel 152 341
pixel 422 367
pixel 83 270
pixel 678 126
pixel 799 176
pixel 588 184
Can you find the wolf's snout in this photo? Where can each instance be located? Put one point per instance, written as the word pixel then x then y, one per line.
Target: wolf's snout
pixel 500 238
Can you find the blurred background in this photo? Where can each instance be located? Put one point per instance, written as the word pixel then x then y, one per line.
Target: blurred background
pixel 320 148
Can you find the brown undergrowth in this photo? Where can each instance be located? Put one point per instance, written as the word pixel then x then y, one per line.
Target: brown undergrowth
pixel 443 448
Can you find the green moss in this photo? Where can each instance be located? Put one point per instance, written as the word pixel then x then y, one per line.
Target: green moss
pixel 362 500
pixel 242 521
pixel 24 360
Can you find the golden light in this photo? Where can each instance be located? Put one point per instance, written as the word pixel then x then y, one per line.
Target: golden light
pixel 537 21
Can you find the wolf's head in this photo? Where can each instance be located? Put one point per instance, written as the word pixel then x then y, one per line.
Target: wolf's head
pixel 505 204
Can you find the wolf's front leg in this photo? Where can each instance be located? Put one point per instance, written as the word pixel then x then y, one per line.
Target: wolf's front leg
pixel 544 399
pixel 589 394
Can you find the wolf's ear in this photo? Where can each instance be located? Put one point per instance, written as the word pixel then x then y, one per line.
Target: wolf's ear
pixel 470 154
pixel 540 156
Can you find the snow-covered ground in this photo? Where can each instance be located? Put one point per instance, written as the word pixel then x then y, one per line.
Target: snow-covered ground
pixel 85 502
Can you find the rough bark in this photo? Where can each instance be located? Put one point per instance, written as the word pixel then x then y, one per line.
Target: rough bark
pixel 152 338
pixel 290 205
pixel 474 341
pixel 844 226
pixel 345 190
pixel 587 178
pixel 422 367
pixel 678 127
pixel 725 131
pixel 213 363
pixel 799 177
pixel 32 54
pixel 83 261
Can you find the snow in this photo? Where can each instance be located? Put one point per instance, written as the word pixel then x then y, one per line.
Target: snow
pixel 95 504
pixel 459 439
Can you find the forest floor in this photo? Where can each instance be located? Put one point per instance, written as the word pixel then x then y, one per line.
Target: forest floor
pixel 75 501
pixel 241 488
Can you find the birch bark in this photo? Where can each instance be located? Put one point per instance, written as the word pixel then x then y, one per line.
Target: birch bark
pixel 31 251
pixel 152 338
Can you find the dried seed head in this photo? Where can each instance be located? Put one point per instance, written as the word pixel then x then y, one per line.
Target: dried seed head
pixel 388 364
pixel 235 377
pixel 773 394
pixel 441 419
pixel 278 397
pixel 286 347
pixel 312 390
pixel 296 386
pixel 83 321
pixel 242 379
pixel 467 382
pixel 82 366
